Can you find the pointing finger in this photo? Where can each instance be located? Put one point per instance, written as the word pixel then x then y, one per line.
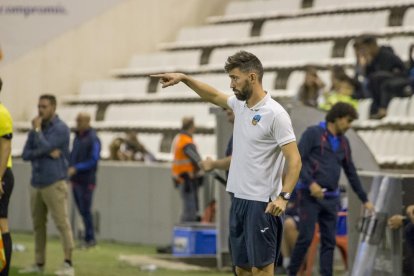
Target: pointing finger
pixel 157 75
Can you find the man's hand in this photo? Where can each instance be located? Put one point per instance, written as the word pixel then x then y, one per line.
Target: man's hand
pixel 276 207
pixel 395 221
pixel 169 79
pixel 316 190
pixel 71 171
pixel 369 206
pixel 55 154
pixel 207 164
pixel 37 122
pixel 410 213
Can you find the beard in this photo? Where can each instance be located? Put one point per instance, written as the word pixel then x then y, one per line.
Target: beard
pixel 244 94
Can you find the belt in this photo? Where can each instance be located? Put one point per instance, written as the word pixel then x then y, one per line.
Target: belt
pixel 326 192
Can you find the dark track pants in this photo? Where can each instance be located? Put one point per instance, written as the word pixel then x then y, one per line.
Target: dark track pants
pixel 313 211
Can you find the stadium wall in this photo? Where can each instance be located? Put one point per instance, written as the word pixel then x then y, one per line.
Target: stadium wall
pixel 133 203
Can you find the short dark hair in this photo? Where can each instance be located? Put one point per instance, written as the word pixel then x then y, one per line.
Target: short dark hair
pixel 246 62
pixel 341 110
pixel 340 74
pixel 365 39
pixel 1 84
pixel 51 98
pixel 187 123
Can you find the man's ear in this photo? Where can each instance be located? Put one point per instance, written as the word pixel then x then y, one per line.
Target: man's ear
pixel 253 77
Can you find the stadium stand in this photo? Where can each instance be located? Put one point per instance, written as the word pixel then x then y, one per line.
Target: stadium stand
pixel 287 35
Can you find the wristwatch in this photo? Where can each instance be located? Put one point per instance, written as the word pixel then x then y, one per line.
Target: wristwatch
pixel 285 195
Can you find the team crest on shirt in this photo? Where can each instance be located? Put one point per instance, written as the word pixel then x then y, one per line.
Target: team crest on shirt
pixel 256 119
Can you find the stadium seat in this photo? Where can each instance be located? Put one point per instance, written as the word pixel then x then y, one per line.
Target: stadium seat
pixel 328 24
pixel 145 64
pixel 397 111
pixel 110 90
pixel 151 141
pixel 350 3
pixel 401 44
pixel 156 115
pixel 408 18
pixel 219 32
pixel 259 7
pixel 68 113
pixel 278 54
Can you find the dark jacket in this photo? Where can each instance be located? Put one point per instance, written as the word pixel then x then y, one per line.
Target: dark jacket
pixel 45 169
pixel 386 61
pixel 322 164
pixel 85 156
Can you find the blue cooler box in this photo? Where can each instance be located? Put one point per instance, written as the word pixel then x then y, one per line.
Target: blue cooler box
pixel 190 240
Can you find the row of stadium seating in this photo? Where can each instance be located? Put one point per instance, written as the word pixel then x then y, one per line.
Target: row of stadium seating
pixel 287 35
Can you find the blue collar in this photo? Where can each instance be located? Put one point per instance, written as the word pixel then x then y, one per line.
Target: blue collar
pixel 334 141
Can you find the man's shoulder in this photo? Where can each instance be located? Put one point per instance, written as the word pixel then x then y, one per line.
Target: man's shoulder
pixel 61 125
pixel 276 107
pixel 315 129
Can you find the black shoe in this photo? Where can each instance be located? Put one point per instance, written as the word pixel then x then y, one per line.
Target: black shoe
pixel 164 249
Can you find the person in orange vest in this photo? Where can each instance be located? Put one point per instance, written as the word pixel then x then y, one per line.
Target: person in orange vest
pixel 186 170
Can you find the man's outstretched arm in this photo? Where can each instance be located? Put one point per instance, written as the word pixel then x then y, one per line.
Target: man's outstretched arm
pixel 205 91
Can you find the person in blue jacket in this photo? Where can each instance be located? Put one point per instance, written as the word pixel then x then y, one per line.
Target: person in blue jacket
pixel 83 165
pixel 324 150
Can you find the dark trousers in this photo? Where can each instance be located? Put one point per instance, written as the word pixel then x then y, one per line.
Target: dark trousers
pixel 384 86
pixel 408 265
pixel 83 198
pixel 189 198
pixel 313 211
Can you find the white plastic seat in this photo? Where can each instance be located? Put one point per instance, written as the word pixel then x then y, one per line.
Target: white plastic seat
pixel 219 32
pixel 401 45
pixel 364 107
pixel 107 90
pixel 152 63
pixel 157 115
pixel 381 146
pixel 403 154
pixel 410 112
pixel 340 3
pixel 277 54
pixel 295 80
pixel 160 60
pixel 179 89
pixel 68 113
pixel 397 111
pixel 263 6
pixel 408 18
pixel 151 141
pixel 331 23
